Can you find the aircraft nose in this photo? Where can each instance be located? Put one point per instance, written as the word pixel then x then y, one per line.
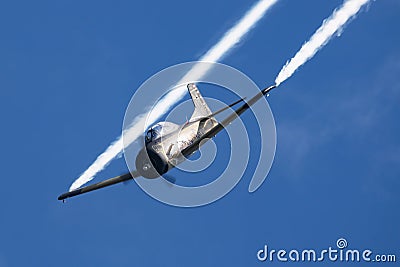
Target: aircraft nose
pixel 146 166
pixel 149 164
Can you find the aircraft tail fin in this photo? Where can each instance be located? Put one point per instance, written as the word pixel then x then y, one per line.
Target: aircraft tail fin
pixel 201 108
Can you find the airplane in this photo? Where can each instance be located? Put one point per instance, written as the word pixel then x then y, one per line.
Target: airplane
pixel 167 144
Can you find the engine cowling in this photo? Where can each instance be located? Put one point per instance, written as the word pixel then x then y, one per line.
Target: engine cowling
pixel 150 164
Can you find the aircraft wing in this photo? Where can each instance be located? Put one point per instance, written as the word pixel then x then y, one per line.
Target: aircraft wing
pixel 108 182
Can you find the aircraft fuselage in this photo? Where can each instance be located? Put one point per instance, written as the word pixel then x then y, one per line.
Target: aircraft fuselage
pixel 160 155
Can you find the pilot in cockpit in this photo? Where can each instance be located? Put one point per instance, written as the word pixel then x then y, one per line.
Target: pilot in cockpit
pixel 153 133
pixel 149 135
pixel 161 128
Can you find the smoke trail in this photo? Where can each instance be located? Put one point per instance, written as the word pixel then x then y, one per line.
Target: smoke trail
pixel 334 24
pixel 216 53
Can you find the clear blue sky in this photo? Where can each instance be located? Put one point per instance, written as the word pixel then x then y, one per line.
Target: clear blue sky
pixel 68 70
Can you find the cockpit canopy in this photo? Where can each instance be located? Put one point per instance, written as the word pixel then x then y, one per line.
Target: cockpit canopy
pixel 160 129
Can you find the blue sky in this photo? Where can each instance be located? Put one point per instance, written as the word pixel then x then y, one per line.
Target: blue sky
pixel 68 70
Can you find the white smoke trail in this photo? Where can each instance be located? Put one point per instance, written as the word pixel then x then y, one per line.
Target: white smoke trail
pixel 334 24
pixel 216 53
